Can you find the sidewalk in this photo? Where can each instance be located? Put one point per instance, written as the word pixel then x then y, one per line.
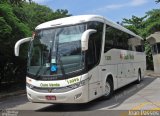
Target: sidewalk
pixel 151 73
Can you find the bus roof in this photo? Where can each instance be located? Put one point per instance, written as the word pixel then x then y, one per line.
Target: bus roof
pixel 82 19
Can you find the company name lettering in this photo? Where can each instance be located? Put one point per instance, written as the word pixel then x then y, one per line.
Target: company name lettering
pixel 50 85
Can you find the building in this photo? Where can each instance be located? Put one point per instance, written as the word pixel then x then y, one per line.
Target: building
pixel 154 40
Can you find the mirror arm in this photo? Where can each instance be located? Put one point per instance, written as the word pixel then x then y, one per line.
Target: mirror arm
pixel 18 43
pixel 85 38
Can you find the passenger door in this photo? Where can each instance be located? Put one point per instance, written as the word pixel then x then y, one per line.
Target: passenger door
pixel 95 80
pixel 94 84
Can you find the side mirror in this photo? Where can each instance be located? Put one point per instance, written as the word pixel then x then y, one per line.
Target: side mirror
pixel 18 43
pixel 85 38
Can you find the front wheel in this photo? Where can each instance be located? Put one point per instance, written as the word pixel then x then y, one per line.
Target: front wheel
pixel 108 89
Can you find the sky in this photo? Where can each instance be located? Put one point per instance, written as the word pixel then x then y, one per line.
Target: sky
pixel 114 10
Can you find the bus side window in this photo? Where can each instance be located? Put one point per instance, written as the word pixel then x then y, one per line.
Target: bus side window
pixel 139 48
pixel 109 38
pixel 117 39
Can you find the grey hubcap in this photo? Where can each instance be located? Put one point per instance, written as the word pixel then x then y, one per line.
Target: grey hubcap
pixel 107 89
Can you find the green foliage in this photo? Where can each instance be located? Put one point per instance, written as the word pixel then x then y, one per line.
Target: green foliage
pixel 13 2
pixel 17 20
pixel 33 14
pixel 12 29
pixel 157 1
pixel 138 22
pixel 144 26
pixel 153 21
pixel 60 13
pixel 5 29
pixel 135 24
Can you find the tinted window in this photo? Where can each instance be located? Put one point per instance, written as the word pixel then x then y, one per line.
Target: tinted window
pixel 154 49
pixel 115 38
pixel 158 47
pixel 139 48
pixel 95 44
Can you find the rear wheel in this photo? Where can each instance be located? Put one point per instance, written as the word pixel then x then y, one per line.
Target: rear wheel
pixel 139 77
pixel 108 88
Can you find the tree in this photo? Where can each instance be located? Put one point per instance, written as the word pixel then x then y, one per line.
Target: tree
pixel 153 21
pixel 12 28
pixel 157 1
pixel 135 23
pixel 18 19
pixel 37 14
pixel 144 26
pixel 13 2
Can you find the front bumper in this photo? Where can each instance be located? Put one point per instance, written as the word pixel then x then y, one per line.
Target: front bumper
pixel 78 95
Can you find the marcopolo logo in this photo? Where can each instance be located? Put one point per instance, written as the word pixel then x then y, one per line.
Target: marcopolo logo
pixel 50 90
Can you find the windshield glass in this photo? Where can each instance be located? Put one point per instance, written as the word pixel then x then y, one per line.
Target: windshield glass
pixel 56 52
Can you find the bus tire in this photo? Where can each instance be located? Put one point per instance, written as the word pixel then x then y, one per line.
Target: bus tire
pixel 108 89
pixel 139 77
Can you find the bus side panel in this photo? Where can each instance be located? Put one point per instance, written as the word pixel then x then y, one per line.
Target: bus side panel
pixel 110 65
pixel 95 90
pixel 139 63
pixel 123 65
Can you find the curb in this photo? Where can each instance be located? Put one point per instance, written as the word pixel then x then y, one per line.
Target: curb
pixel 151 73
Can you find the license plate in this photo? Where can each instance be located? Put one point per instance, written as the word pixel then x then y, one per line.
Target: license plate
pixel 50 97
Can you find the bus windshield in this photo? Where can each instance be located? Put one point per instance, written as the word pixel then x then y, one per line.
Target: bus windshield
pixel 55 53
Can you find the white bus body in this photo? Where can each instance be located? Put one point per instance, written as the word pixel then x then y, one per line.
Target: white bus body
pixel 108 60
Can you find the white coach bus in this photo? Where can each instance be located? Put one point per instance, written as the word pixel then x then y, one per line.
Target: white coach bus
pixel 80 58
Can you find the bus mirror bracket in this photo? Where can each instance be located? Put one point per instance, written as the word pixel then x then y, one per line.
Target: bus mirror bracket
pixel 18 43
pixel 85 38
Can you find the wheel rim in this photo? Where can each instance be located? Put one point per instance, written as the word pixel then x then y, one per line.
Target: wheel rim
pixel 107 89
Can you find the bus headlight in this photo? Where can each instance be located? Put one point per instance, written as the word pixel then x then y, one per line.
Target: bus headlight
pixel 29 85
